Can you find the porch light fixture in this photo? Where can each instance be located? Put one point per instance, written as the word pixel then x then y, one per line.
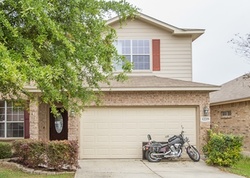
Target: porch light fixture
pixel 72 113
pixel 205 111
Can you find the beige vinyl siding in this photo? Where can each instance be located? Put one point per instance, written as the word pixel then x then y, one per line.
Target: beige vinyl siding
pixel 176 52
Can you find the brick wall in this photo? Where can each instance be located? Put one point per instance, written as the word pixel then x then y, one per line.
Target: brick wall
pixel 147 98
pixel 238 123
pixel 197 99
pixel 155 98
pixel 39 122
pixel 43 121
pixel 34 118
pixel 74 127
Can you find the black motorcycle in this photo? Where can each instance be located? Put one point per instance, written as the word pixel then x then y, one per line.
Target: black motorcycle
pixel 156 151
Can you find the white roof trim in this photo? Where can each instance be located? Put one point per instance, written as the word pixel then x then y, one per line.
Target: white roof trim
pixel 163 89
pixel 175 30
pixel 35 90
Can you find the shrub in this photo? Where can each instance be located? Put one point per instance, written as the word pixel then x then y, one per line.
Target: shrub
pixel 62 154
pixel 222 149
pixel 56 155
pixel 5 150
pixel 30 152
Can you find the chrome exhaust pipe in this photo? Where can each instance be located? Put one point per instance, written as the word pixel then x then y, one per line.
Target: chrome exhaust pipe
pixel 158 154
pixel 172 156
pixel 161 154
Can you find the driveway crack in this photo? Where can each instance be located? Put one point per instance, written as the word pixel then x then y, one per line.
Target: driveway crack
pixel 151 169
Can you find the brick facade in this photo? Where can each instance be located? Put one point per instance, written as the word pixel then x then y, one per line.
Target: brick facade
pixel 238 123
pixel 34 118
pixel 39 122
pixel 198 99
pixel 43 121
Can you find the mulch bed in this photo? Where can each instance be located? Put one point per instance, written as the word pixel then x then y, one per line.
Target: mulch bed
pixel 12 163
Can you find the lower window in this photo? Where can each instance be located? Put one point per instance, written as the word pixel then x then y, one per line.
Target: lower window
pixel 11 119
pixel 226 114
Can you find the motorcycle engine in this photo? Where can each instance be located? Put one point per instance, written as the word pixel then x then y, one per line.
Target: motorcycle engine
pixel 175 148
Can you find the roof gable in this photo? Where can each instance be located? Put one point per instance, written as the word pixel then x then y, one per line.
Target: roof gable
pixel 195 33
pixel 232 91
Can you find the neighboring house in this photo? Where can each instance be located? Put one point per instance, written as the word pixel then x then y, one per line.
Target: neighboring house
pixel 230 109
pixel 158 97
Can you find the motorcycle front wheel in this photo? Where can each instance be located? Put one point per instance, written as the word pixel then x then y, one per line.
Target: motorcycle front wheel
pixel 151 158
pixel 193 153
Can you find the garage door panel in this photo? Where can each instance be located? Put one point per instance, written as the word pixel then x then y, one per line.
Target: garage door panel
pixel 116 125
pixel 119 132
pixel 87 138
pixel 145 125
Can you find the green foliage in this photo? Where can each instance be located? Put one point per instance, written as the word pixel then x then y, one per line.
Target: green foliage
pixel 56 155
pixel 222 149
pixel 5 150
pixel 242 167
pixel 63 48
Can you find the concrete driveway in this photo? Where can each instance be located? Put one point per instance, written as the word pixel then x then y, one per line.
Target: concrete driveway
pixel 135 168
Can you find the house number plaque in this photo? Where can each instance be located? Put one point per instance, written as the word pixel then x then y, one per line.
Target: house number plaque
pixel 205 119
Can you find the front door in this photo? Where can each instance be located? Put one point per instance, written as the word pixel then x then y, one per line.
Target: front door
pixel 59 125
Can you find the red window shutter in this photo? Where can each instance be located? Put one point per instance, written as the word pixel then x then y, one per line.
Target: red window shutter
pixel 26 123
pixel 156 55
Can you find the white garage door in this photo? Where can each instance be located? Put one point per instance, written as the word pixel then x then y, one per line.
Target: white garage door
pixel 118 132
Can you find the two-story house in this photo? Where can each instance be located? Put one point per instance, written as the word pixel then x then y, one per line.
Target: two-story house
pixel 158 98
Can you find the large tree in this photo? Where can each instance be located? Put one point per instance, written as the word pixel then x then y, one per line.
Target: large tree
pixel 64 48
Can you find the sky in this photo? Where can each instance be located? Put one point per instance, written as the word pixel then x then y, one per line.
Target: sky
pixel 214 59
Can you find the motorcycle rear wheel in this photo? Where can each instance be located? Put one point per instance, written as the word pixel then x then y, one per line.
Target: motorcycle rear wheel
pixel 151 158
pixel 193 153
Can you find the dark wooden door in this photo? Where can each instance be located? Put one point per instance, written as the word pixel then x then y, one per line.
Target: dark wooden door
pixel 59 125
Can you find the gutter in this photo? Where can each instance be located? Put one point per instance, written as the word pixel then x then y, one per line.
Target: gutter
pixel 35 90
pixel 164 89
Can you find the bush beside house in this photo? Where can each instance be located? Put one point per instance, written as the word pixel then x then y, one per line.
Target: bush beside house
pixel 222 149
pixel 5 150
pixel 56 155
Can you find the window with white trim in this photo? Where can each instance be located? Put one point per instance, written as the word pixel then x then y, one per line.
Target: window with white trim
pixel 11 120
pixel 136 52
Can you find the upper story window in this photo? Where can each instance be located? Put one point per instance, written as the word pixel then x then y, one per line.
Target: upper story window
pixel 136 52
pixel 11 120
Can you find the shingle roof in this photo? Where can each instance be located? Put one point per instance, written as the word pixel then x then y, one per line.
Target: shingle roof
pixel 147 83
pixel 234 90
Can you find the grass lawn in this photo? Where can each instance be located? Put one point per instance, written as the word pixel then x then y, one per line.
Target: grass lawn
pixel 241 168
pixel 12 172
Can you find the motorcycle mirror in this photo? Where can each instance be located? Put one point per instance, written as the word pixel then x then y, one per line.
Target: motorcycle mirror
pixel 149 137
